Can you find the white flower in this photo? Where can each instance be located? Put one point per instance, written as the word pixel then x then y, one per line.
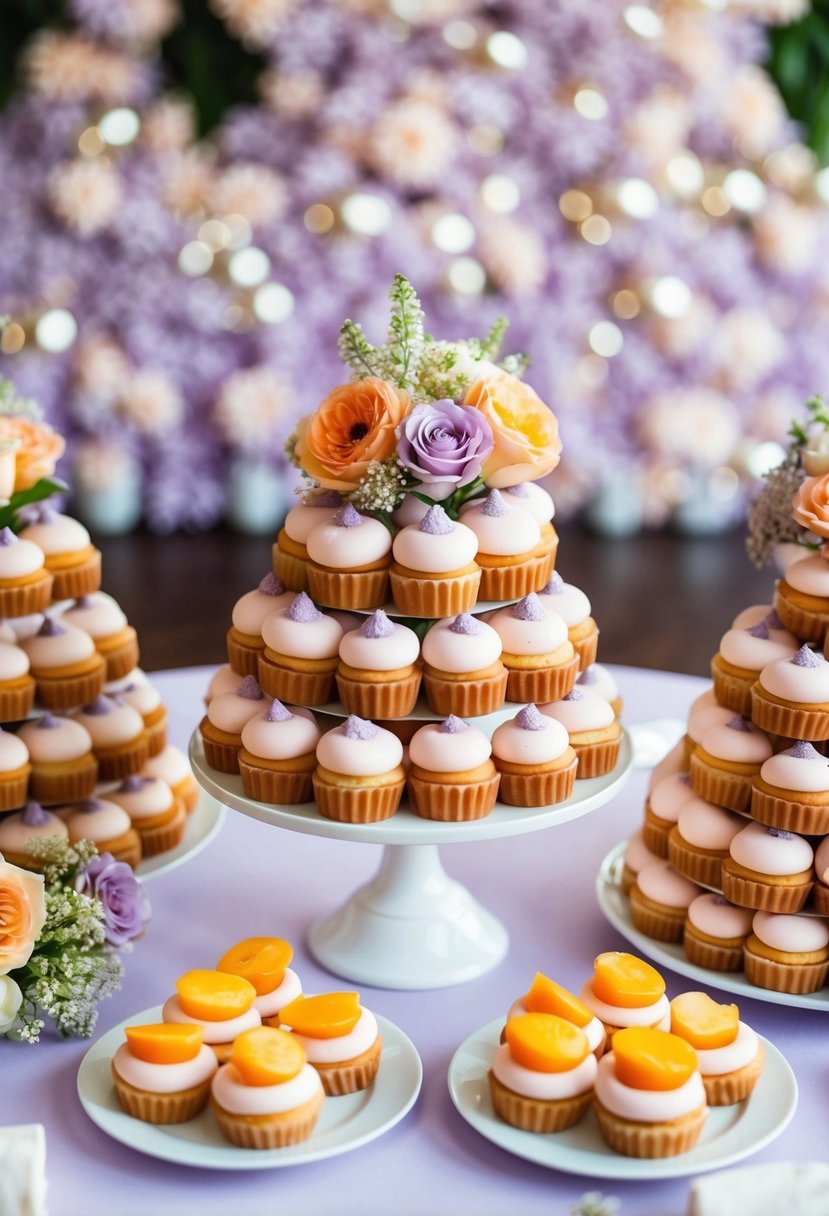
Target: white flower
pixel 292 94
pixel 251 190
pixel 188 181
pixel 101 367
pixel 413 143
pixel 680 337
pixel 692 426
pixel 752 111
pixel 69 67
pixel 169 125
pixel 514 256
pixel 254 21
pixel 151 402
pixel 151 20
pixel 11 998
pixel 747 345
pixel 658 127
pixel 86 195
pixel 251 406
pixel 786 235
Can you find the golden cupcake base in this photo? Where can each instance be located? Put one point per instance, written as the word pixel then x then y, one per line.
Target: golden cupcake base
pixel 465 698
pixel 536 1114
pixel 269 1131
pixel 655 1140
pixel 177 1107
pixel 350 1076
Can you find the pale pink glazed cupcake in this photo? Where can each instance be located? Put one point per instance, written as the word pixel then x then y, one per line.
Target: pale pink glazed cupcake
pixel 462 669
pixel 224 679
pixel 17 687
pixel 143 696
pixel 378 674
pixel 163 1093
pixel 534 1099
pixel 172 766
pixel 512 558
pixel 221 727
pixel 219 1032
pixel 63 766
pixel 115 640
pixel 290 553
pixel 25 583
pixel 801 598
pixel 359 776
pixel 14 771
pixel 705 711
pixel 698 843
pixel 349 561
pixel 278 754
pixel 573 606
pixel 434 572
pixel 636 855
pixel 156 814
pixel 662 807
pixel 32 823
pixel 595 734
pixel 596 678
pixel 67 669
pixel 452 776
pixel 791 696
pixel 244 638
pixel 537 653
pixel 820 891
pixel 532 497
pixel 726 760
pixel 791 791
pixel 673 762
pixel 787 953
pixel 71 558
pixel 769 869
pixel 742 655
pixel 119 740
pixel 533 755
pixel 754 614
pixel 715 932
pixel 301 654
pixel 107 825
pixel 659 900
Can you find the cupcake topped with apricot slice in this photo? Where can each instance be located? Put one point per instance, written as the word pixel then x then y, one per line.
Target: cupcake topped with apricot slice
pixel 546 996
pixel 162 1072
pixel 626 991
pixel 263 961
pixel 222 1004
pixel 542 1076
pixel 339 1037
pixel 729 1053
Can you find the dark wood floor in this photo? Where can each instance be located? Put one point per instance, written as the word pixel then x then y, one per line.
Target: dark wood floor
pixel 661 601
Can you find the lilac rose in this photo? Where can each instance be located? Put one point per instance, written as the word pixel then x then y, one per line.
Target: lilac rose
pixel 444 445
pixel 125 903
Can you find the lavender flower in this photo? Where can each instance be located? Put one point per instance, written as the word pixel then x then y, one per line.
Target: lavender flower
pixel 124 900
pixel 444 445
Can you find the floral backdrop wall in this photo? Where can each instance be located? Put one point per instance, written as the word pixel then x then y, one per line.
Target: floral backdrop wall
pixel 620 179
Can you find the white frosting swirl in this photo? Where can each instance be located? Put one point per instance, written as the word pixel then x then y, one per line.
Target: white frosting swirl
pixel 793 934
pixel 716 1061
pixel 646 1105
pixel 507 535
pixel 237 1098
pixel 790 682
pixel 810 576
pixel 270 1003
pixel 443 752
pixel 658 1014
pixel 296 736
pixel 569 601
pixel 435 554
pixel 164 1078
pixel 584 712
pixel 529 637
pixel 98 615
pixel 513 743
pixel 400 649
pixel 740 648
pixel 341 548
pixel 543 1086
pixel 446 650
pixel 61 534
pixel 223 1030
pixel 343 1046
pixel 251 609
pixel 66 740
pixel 355 757
pixel 770 851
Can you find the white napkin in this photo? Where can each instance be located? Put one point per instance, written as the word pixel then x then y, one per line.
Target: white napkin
pixel 782 1189
pixel 23 1170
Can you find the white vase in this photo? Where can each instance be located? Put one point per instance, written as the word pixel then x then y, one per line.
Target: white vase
pixel 617 510
pixel 257 497
pixel 112 509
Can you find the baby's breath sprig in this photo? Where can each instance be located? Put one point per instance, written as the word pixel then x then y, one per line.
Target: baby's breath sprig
pixel 357 352
pixel 12 403
pixel 402 353
pixel 382 487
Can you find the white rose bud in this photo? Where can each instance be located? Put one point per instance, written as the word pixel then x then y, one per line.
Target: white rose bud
pixel 11 998
pixel 815 456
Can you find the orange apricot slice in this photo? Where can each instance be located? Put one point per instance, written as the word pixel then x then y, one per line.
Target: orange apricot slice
pixel 545 1042
pixel 546 996
pixel 267 1056
pixel 165 1042
pixel 702 1022
pixel 652 1059
pixel 322 1017
pixel 626 981
pixel 213 996
pixel 262 960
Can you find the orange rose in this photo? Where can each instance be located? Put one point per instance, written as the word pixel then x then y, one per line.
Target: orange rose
pixel 22 914
pixel 810 505
pixel 40 448
pixel 527 445
pixel 353 426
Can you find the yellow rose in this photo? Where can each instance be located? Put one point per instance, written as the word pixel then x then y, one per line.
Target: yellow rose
pixel 527 444
pixel 810 505
pixel 22 914
pixel 353 426
pixel 40 449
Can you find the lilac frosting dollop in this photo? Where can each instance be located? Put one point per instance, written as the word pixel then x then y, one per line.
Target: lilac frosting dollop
pixel 134 784
pixel 301 609
pixel 271 585
pixel 773 620
pixel 85 601
pixel 349 517
pixel 436 522
pixel 50 628
pixel 519 491
pixel 100 706
pixel 377 625
pixel 49 722
pixel 249 689
pixel 465 624
pixel 780 834
pixel 738 722
pixel 359 728
pixel 494 505
pixel 277 712
pixel 760 630
pixel 803 750
pixel 807 658
pixel 452 725
pixel 588 676
pixel 529 609
pixel 7 537
pixel 554 585
pixel 328 498
pixel 575 694
pixel 529 718
pixel 34 815
pixel 90 805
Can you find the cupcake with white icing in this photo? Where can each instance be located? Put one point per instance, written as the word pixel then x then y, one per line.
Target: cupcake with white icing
pixel 659 900
pixel 67 669
pixel 63 766
pixel 221 727
pixel 172 766
pixel 156 814
pixel 662 806
pixel 25 582
pixel 801 598
pixel 595 733
pixel 145 697
pixel 541 1077
pixel 452 776
pixel 301 653
pixel 533 755
pixel 462 669
pixel 726 760
pixel 115 639
pixel 531 497
pixel 359 776
pixel 278 754
pixel 222 1004
pixel 434 572
pixel 224 679
pixel 573 606
pixel 512 558
pixel 787 953
pixel 705 711
pixel 378 674
pixel 596 678
pixel 17 831
pixel 769 869
pixel 715 932
pixel 17 687
pixel 108 826
pixel 244 638
pixel 71 558
pixel 791 696
pixel 349 559
pixel 636 855
pixel 820 891
pixel 119 740
pixel 537 653
pixel 742 655
pixel 290 552
pixel 699 841
pixel 729 1053
pixel 791 791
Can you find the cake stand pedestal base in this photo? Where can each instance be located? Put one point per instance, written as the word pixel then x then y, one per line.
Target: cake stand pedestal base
pixel 411 927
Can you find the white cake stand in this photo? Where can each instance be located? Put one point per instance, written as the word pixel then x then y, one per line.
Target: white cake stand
pixel 411 926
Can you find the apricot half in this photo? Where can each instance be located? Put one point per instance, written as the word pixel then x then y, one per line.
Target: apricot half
pixel 626 981
pixel 545 1042
pixel 165 1042
pixel 267 1056
pixel 262 960
pixel 546 996
pixel 652 1059
pixel 703 1023
pixel 326 1016
pixel 213 996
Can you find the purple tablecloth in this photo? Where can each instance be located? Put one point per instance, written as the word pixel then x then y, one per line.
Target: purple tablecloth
pixel 255 879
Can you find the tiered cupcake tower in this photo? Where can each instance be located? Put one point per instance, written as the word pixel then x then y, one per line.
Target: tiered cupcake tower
pixel 443 630
pixel 741 805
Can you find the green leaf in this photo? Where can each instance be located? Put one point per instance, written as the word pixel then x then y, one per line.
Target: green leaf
pixel 45 488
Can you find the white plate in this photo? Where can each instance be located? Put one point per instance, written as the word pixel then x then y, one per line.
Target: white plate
pixel 730 1132
pixel 202 825
pixel 406 827
pixel 344 1124
pixel 616 907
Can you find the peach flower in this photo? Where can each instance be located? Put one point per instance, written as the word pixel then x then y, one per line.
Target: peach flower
pixel 353 426
pixel 810 505
pixel 22 914
pixel 40 448
pixel 527 443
